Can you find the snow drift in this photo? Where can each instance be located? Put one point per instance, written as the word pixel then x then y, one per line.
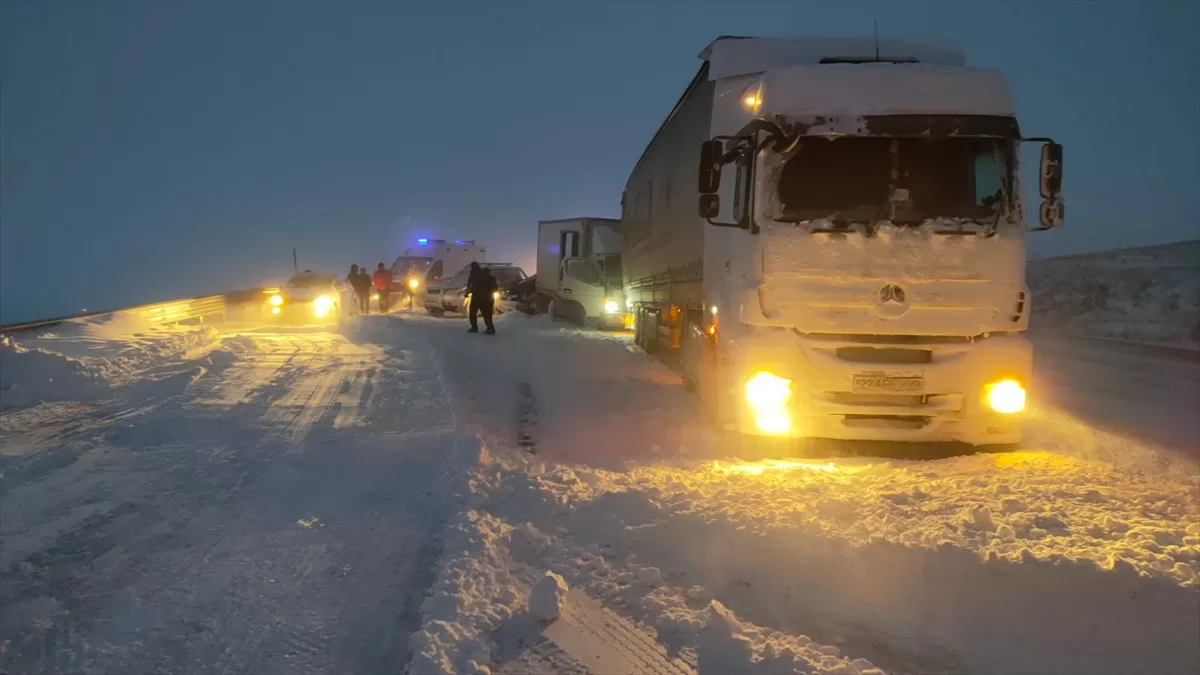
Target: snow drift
pixel 85 359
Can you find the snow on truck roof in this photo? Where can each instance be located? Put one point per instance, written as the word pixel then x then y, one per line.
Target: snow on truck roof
pixel 729 56
pixel 885 89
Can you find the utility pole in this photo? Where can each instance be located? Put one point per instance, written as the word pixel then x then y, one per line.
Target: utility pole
pixel 295 263
pixel 875 23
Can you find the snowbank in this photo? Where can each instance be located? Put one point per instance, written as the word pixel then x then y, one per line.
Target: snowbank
pixel 84 359
pixel 473 591
pixel 1141 294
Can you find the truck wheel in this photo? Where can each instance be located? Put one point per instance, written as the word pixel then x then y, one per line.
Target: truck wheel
pixel 650 333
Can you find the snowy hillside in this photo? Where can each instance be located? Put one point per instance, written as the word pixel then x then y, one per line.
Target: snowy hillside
pixel 1149 294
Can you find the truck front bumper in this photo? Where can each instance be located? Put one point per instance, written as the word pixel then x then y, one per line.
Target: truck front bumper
pixel 920 390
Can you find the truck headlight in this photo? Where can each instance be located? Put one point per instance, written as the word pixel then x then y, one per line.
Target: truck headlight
pixel 321 305
pixel 275 300
pixel 768 395
pixel 495 296
pixel 611 306
pixel 1005 397
pixel 413 283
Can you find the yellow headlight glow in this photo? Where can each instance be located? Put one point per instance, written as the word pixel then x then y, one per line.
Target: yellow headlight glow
pixel 275 300
pixel 768 395
pixel 321 306
pixel 1006 397
pixel 413 283
pixel 496 295
pixel 611 306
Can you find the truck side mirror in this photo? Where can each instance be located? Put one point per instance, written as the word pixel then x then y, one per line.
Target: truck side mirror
pixel 711 153
pixel 710 206
pixel 1051 171
pixel 1052 214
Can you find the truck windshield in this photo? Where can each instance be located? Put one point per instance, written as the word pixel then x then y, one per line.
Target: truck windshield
pixel 612 270
pixel 849 179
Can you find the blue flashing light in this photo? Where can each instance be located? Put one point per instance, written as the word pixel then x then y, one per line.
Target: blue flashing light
pixel 460 242
pixel 422 242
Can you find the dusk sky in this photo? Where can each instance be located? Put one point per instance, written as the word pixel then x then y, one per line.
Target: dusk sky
pixel 152 150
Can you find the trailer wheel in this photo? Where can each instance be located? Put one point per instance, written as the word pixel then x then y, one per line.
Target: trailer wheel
pixel 650 333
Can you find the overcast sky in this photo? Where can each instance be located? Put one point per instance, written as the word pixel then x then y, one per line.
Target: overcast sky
pixel 150 150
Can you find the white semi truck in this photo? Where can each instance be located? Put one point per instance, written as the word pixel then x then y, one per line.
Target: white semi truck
pixel 579 271
pixel 828 237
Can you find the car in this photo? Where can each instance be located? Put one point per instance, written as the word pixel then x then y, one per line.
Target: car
pixel 451 295
pixel 307 297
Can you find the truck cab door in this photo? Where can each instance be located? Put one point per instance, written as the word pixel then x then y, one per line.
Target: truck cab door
pixel 583 282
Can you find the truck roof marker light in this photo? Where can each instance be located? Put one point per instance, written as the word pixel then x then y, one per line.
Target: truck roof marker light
pixel 752 101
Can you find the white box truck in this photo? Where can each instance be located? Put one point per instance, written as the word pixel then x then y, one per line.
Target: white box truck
pixel 827 236
pixel 579 271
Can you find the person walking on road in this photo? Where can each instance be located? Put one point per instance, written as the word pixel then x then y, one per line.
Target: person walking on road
pixel 481 284
pixel 383 283
pixel 361 283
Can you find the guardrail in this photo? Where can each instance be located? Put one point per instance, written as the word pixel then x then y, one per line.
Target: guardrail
pixel 164 313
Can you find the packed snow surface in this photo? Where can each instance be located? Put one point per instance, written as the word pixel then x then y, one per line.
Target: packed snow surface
pixel 400 495
pixel 1056 558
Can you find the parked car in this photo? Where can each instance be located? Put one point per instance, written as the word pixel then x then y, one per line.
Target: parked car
pixel 451 295
pixel 307 297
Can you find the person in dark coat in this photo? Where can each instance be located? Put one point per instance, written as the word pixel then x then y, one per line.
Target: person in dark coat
pixel 360 281
pixel 481 285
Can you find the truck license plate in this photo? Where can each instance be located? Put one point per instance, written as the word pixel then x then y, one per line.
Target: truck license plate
pixel 879 384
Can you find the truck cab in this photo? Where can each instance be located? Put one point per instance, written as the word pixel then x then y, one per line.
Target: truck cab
pixel 579 271
pixel 858 258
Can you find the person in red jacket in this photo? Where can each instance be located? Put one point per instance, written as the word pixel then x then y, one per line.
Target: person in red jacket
pixel 382 280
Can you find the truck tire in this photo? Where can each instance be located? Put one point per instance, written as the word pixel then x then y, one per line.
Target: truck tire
pixel 650 333
pixel 435 312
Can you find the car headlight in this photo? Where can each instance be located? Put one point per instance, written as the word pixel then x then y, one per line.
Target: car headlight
pixel 611 306
pixel 768 395
pixel 1005 397
pixel 495 295
pixel 275 300
pixel 321 305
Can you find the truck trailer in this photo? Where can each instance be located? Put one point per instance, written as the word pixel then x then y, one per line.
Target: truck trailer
pixel 579 271
pixel 827 236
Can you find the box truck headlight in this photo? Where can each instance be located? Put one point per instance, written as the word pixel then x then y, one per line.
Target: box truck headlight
pixel 611 306
pixel 321 305
pixel 275 300
pixel 1005 397
pixel 413 283
pixel 768 396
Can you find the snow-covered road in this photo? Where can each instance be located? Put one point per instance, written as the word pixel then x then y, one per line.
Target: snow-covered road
pixel 303 500
pixel 270 506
